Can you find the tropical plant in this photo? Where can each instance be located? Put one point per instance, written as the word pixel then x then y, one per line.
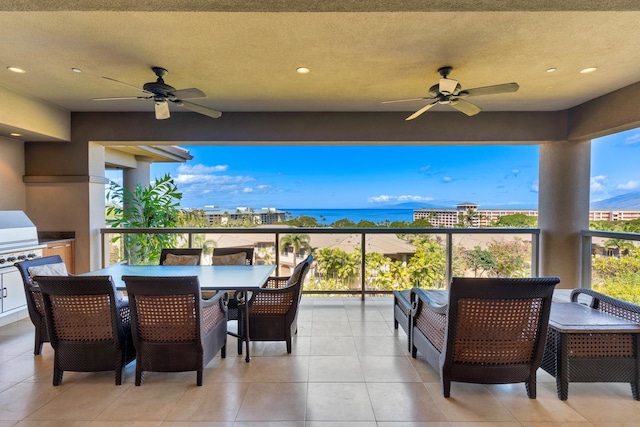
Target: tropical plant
pixel 516 221
pixel 480 260
pixel 153 206
pixel 299 243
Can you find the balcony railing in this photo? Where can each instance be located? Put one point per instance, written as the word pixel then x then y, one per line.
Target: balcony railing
pixel 611 263
pixel 451 245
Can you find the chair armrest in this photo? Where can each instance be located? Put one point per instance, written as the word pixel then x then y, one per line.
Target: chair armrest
pixel 418 294
pixel 276 282
pixel 214 310
pixel 607 304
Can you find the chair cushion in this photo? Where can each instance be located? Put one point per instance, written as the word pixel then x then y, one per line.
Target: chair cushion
pixel 233 259
pixel 181 259
pixel 55 269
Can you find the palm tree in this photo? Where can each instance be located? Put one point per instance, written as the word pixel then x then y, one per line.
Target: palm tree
pixel 299 242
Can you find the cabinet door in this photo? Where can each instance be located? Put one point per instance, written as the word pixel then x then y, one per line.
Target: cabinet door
pixel 12 290
pixel 66 250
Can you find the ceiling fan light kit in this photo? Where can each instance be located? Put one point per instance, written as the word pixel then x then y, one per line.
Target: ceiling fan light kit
pixel 449 92
pixel 163 93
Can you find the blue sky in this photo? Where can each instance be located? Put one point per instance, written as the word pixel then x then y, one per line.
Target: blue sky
pixel 379 177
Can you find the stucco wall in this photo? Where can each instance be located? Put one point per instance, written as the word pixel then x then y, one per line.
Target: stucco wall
pixel 12 196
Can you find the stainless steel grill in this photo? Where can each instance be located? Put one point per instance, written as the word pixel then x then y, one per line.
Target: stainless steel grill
pixel 18 241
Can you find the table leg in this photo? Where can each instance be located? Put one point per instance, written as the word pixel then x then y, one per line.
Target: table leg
pixel 562 366
pixel 246 327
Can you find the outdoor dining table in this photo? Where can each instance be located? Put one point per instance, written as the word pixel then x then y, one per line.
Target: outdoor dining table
pixel 245 280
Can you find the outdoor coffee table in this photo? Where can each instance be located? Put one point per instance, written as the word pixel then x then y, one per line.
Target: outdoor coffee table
pixel 587 345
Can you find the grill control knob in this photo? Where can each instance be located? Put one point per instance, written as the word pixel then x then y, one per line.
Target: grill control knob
pixel 11 259
pixel 31 255
pixel 2 260
pixel 22 257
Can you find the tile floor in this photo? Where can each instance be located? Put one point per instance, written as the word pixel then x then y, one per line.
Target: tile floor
pixel 349 367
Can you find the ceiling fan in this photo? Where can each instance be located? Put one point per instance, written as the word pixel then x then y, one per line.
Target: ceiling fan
pixel 450 92
pixel 162 94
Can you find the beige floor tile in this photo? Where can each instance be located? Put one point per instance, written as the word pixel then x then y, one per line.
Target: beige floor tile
pixel 148 402
pixel 329 314
pixel 378 369
pixel 589 400
pixel 125 424
pixel 25 398
pixel 339 402
pixel 413 424
pixel 24 367
pixel 197 424
pixel 49 423
pixel 274 402
pixel 560 424
pixel 390 402
pixel 82 401
pixel 469 402
pixel 546 406
pixel 331 328
pixel 370 329
pixel 371 314
pixel 279 369
pixel 379 346
pixel 269 424
pixel 332 346
pixel 335 369
pixel 426 372
pixel 211 402
pixel 341 424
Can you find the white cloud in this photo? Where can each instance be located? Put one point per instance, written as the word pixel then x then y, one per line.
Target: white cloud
pixel 631 140
pixel 424 168
pixel 200 169
pixel 247 190
pixel 598 184
pixel 404 198
pixel 630 185
pixel 535 186
pixel 447 179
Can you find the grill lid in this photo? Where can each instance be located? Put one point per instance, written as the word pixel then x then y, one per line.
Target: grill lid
pixel 16 231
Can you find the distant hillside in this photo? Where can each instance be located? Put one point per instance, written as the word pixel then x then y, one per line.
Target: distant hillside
pixel 629 201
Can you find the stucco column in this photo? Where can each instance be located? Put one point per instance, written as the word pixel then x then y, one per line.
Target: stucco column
pixel 563 208
pixel 141 174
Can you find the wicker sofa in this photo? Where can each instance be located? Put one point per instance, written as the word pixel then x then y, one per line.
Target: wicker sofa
pixel 491 331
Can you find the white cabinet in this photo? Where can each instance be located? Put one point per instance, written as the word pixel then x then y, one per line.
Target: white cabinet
pixel 12 296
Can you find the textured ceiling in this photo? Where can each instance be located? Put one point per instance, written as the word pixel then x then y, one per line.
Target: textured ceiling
pixel 243 55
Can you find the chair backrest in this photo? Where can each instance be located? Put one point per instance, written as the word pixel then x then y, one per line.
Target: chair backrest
pixel 190 255
pixel 233 251
pixel 300 270
pixel 23 266
pixel 164 309
pixel 80 308
pixel 497 321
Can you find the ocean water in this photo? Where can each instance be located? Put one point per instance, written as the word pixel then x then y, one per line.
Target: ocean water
pixel 329 216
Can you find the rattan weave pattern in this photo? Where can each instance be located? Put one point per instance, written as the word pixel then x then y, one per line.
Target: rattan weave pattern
pixel 600 345
pixel 82 317
pixel 433 326
pixel 212 316
pixel 498 332
pixel 272 303
pixel 166 318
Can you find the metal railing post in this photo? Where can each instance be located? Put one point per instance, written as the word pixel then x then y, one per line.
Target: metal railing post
pixel 363 263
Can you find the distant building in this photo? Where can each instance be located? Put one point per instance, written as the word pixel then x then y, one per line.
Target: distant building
pixel 472 217
pixel 263 216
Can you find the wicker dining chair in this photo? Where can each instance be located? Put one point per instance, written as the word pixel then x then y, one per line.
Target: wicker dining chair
pixel 34 297
pixel 273 311
pixel 188 255
pixel 220 258
pixel 89 325
pixel 173 328
pixel 492 331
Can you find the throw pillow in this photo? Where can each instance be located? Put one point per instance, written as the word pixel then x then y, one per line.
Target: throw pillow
pixel 233 259
pixel 181 259
pixel 55 269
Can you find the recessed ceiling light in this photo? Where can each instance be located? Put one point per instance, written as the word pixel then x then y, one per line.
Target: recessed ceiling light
pixel 588 70
pixel 303 70
pixel 16 70
pixel 551 70
pixel 15 134
pixel 76 70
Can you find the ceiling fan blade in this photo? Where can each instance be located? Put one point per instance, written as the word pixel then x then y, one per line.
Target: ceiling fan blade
pixel 188 93
pixel 162 110
pixel 120 98
pixel 491 90
pixel 420 111
pixel 126 84
pixel 465 106
pixel 447 86
pixel 406 100
pixel 199 109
